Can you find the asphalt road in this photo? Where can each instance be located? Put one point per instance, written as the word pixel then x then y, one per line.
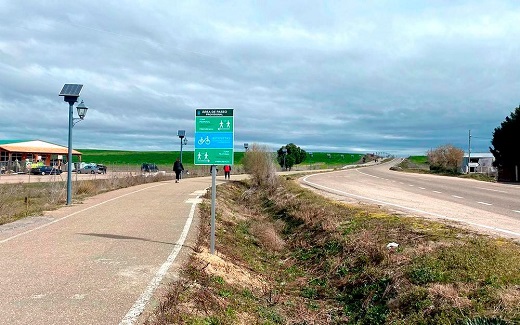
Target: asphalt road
pixel 486 207
pixel 100 262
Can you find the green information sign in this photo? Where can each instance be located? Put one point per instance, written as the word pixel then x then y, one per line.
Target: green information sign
pixel 214 136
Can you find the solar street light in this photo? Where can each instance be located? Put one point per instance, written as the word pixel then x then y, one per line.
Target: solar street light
pixel 182 134
pixel 70 94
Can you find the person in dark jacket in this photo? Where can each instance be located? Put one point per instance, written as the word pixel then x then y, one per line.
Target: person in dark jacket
pixel 177 168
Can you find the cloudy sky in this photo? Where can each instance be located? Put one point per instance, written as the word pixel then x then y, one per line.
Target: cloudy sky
pixel 343 76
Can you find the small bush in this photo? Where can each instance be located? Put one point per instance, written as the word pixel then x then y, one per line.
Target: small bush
pixel 259 163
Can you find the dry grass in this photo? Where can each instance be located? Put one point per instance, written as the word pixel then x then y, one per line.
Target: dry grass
pixel 327 263
pixel 28 199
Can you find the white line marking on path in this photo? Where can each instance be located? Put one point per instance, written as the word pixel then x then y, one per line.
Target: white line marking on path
pixel 77 212
pixel 516 211
pixel 407 208
pixel 422 188
pixel 411 185
pixel 487 189
pixel 458 197
pixel 140 304
pixel 437 192
pixel 484 203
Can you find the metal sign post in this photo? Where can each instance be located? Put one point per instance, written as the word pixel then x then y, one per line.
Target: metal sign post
pixel 214 142
pixel 213 200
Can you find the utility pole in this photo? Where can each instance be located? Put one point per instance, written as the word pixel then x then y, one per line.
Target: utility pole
pixel 469 151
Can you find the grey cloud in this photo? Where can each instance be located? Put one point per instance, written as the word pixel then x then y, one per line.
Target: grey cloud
pixel 396 77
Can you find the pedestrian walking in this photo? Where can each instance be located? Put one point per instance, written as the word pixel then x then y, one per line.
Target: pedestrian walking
pixel 227 172
pixel 177 168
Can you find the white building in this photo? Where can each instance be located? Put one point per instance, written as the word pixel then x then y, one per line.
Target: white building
pixel 480 162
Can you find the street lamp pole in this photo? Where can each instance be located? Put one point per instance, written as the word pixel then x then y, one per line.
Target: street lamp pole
pixel 70 93
pixel 69 154
pixel 181 134
pixel 246 146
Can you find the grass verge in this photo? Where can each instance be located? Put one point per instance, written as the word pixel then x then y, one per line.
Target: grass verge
pixel 21 200
pixel 289 256
pixel 419 164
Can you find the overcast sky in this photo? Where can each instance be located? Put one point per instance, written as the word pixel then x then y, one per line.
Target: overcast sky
pixel 343 76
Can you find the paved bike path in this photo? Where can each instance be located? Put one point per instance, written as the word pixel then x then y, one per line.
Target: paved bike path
pixel 98 262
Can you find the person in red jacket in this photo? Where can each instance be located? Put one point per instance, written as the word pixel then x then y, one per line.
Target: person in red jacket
pixel 227 171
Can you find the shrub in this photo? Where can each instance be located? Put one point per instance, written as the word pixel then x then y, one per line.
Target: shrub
pixel 259 164
pixel 446 158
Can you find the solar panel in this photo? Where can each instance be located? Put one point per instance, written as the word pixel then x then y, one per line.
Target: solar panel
pixel 71 90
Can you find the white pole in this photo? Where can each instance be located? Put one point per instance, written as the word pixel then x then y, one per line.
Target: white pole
pixel 469 151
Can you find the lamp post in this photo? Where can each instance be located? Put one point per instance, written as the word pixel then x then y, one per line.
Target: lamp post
pixel 181 134
pixel 246 146
pixel 70 93
pixel 284 150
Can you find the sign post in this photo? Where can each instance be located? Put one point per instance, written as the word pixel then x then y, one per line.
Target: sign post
pixel 214 142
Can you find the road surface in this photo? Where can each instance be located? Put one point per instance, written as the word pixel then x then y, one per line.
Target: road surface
pixel 484 206
pixel 99 262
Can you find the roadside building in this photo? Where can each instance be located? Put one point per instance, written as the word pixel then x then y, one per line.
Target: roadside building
pixel 480 162
pixel 18 155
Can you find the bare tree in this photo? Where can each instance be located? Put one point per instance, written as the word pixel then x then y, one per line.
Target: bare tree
pixel 446 158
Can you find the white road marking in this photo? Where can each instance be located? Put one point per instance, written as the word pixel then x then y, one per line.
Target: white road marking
pixel 488 189
pixel 408 208
pixel 193 200
pixel 411 185
pixel 422 188
pixel 484 203
pixel 516 211
pixel 437 192
pixel 77 212
pixel 140 304
pixel 458 197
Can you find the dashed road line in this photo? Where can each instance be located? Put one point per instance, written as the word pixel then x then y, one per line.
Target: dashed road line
pixel 411 185
pixel 422 188
pixel 484 203
pixel 458 197
pixel 332 190
pixel 488 189
pixel 517 211
pixel 437 192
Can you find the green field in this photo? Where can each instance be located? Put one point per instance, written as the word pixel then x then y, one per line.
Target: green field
pixel 418 159
pixel 166 158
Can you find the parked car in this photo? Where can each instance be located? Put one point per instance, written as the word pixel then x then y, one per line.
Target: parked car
pixel 45 170
pixel 89 169
pixel 149 168
pixel 102 168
